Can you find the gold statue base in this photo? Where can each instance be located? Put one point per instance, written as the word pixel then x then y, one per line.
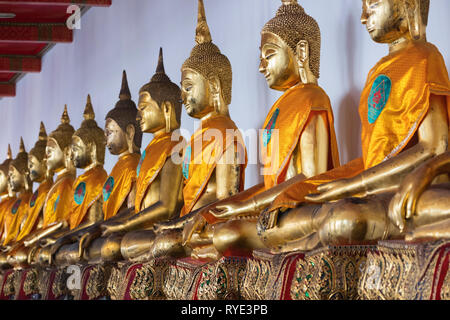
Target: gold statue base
pixel 390 270
pixel 399 270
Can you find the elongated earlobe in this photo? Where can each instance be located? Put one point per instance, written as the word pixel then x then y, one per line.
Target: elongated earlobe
pixel 412 9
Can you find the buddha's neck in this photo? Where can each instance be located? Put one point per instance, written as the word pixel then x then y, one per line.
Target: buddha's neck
pixel 159 133
pixel 91 166
pixel 123 154
pixel 3 197
pixel 399 44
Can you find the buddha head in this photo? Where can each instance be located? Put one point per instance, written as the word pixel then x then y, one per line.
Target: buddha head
pixel 206 76
pixel 159 106
pixel 290 48
pixel 58 142
pixel 4 169
pixel 88 142
pixel 390 20
pixel 122 131
pixel 18 175
pixel 36 157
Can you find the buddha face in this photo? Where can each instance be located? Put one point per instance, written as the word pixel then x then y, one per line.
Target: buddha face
pixel 278 63
pixel 16 179
pixel 36 168
pixel 384 20
pixel 3 182
pixel 195 94
pixel 116 140
pixel 80 153
pixel 54 155
pixel 150 116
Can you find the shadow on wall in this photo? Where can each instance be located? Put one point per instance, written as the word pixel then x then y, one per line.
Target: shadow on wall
pixel 349 138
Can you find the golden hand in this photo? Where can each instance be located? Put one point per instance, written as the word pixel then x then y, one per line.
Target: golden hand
pixel 108 228
pixel 403 205
pixel 194 225
pixel 228 210
pixel 267 220
pixel 335 190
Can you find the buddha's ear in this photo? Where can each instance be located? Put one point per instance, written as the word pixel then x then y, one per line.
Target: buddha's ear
pixel 413 17
pixel 167 108
pixel 93 151
pixel 302 52
pixel 130 132
pixel 215 90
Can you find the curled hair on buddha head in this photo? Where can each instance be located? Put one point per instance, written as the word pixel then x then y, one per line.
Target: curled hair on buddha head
pixel 21 160
pixel 292 25
pixel 125 112
pixel 161 88
pixel 63 134
pixel 90 132
pixel 39 148
pixel 4 167
pixel 206 58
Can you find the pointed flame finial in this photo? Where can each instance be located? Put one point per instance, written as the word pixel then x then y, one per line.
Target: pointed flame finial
pixel 42 132
pixel 160 67
pixel 89 110
pixel 125 93
pixel 9 154
pixel 65 116
pixel 22 146
pixel 202 33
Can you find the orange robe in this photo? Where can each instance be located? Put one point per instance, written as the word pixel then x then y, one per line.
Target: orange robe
pixel 15 216
pixel 119 183
pixel 36 205
pixel 87 189
pixel 152 161
pixel 288 118
pixel 5 206
pixel 214 136
pixel 394 101
pixel 58 204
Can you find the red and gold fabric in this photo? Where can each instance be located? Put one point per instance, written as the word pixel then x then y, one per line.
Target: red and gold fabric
pixel 289 116
pixel 215 135
pixel 16 215
pixel 58 204
pixel 152 161
pixel 35 208
pixel 394 101
pixel 119 183
pixel 87 189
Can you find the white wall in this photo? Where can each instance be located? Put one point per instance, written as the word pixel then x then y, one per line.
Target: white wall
pixel 128 36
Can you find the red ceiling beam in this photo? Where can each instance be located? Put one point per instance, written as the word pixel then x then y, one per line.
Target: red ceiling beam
pixel 91 3
pixel 10 63
pixel 35 32
pixel 7 89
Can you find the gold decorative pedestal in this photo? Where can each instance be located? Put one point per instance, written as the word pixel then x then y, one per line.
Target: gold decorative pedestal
pixel 138 281
pixel 94 282
pixel 398 270
pixel 9 284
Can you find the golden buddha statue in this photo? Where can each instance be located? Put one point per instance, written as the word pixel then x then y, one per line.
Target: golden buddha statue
pixel 215 159
pixel 123 138
pixel 34 218
pixel 58 200
pixel 88 153
pixel 159 178
pixel 7 198
pixel 302 117
pixel 404 111
pixel 20 183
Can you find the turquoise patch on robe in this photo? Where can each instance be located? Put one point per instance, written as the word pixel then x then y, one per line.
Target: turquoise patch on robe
pixel 108 188
pixel 186 162
pixel 55 205
pixel 16 206
pixel 80 192
pixel 138 170
pixel 378 98
pixel 267 133
pixel 34 198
